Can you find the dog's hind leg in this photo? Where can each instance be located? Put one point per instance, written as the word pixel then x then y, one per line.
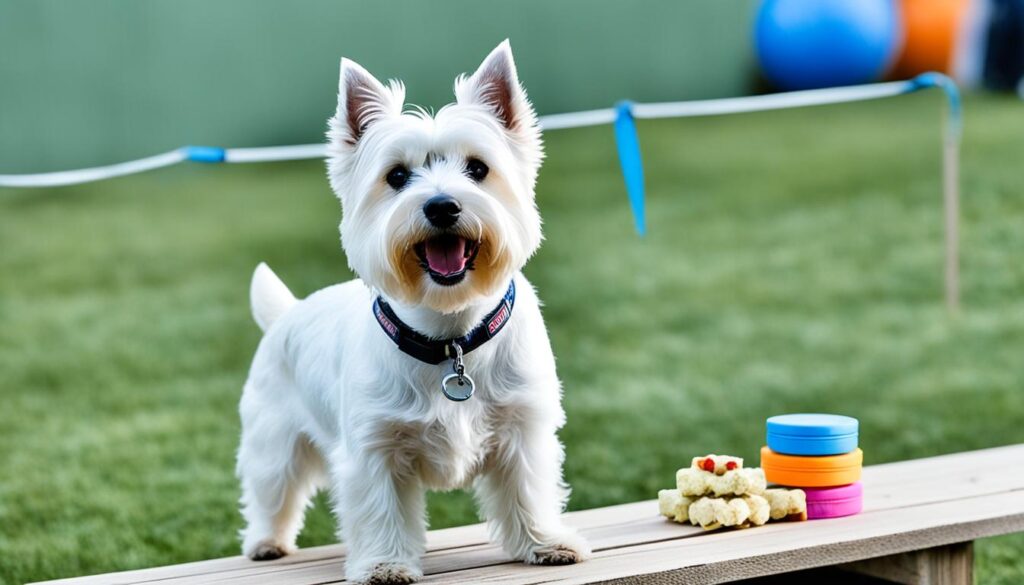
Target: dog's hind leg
pixel 280 471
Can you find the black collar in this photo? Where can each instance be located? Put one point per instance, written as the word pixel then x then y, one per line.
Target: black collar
pixel 434 351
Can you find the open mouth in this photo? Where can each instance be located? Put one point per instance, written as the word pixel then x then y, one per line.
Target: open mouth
pixel 447 257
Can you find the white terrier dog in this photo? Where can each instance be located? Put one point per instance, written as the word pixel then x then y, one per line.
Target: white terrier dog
pixel 362 387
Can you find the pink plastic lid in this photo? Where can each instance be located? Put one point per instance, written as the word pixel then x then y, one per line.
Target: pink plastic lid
pixel 834 502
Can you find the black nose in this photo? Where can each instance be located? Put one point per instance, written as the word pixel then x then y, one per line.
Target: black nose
pixel 442 211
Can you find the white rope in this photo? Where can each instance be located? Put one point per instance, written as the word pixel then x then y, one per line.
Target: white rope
pixel 577 119
pixel 775 101
pixel 94 174
pixel 716 107
pixel 272 153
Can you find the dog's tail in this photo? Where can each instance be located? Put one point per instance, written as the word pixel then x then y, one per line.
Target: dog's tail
pixel 269 297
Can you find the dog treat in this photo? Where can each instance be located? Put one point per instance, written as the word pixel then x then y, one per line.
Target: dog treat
pixel 747 510
pixel 786 504
pixel 737 482
pixel 674 505
pixel 760 509
pixel 717 464
pixel 711 513
pixel 717 491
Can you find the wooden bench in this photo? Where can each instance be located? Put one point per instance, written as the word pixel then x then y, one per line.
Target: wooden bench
pixel 917 526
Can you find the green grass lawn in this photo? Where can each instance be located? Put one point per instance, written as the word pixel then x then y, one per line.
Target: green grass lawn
pixel 793 264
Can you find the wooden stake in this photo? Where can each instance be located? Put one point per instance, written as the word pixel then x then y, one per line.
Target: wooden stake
pixel 951 204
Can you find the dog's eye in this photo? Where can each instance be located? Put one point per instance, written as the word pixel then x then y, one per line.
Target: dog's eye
pixel 476 169
pixel 398 177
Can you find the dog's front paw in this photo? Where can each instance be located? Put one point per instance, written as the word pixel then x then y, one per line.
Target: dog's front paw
pixel 565 551
pixel 387 574
pixel 267 550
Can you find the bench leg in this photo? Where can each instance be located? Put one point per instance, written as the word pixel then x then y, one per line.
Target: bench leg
pixel 943 565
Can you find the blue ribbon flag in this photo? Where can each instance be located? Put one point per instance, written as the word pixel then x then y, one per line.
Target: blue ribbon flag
pixel 629 157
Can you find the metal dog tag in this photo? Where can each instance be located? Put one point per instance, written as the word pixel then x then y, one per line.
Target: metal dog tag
pixel 457 387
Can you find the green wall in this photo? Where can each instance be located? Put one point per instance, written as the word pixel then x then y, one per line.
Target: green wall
pixel 85 82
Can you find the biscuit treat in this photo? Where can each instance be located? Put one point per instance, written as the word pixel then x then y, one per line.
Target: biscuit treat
pixel 748 510
pixel 760 509
pixel 674 505
pixel 716 491
pixel 787 504
pixel 717 464
pixel 737 482
pixel 711 513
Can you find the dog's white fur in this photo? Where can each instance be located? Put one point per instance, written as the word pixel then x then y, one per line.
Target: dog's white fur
pixel 331 402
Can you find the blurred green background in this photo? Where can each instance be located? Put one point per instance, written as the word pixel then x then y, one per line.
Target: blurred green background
pixel 793 262
pixel 99 81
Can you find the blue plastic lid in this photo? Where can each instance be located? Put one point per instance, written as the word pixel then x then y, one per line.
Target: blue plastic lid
pixel 812 434
pixel 812 425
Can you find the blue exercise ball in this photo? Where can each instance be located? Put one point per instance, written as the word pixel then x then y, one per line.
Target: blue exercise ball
pixel 808 44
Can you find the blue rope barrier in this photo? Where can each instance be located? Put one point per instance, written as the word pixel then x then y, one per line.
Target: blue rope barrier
pixel 623 117
pixel 206 154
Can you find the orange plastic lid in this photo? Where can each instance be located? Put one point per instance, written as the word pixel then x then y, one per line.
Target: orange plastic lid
pixel 799 471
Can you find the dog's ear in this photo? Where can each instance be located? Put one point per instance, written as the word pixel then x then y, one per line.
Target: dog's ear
pixel 362 100
pixel 495 84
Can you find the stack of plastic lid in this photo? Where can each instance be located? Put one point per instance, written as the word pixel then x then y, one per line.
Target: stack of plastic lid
pixel 817 453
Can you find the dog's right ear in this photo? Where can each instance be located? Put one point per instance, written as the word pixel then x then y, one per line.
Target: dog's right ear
pixel 362 100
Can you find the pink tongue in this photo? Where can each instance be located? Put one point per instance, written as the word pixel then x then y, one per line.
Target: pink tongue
pixel 446 255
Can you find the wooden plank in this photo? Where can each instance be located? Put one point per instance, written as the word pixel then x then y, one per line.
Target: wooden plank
pixel 320 568
pixel 892 486
pixel 779 548
pixel 899 485
pixel 620 521
pixel 944 565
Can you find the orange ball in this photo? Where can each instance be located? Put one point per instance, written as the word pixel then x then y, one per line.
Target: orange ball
pixel 930 31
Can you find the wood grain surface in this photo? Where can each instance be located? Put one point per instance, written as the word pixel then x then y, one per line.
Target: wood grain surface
pixel 908 506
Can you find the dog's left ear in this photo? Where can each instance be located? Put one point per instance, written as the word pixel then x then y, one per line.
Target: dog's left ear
pixel 495 84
